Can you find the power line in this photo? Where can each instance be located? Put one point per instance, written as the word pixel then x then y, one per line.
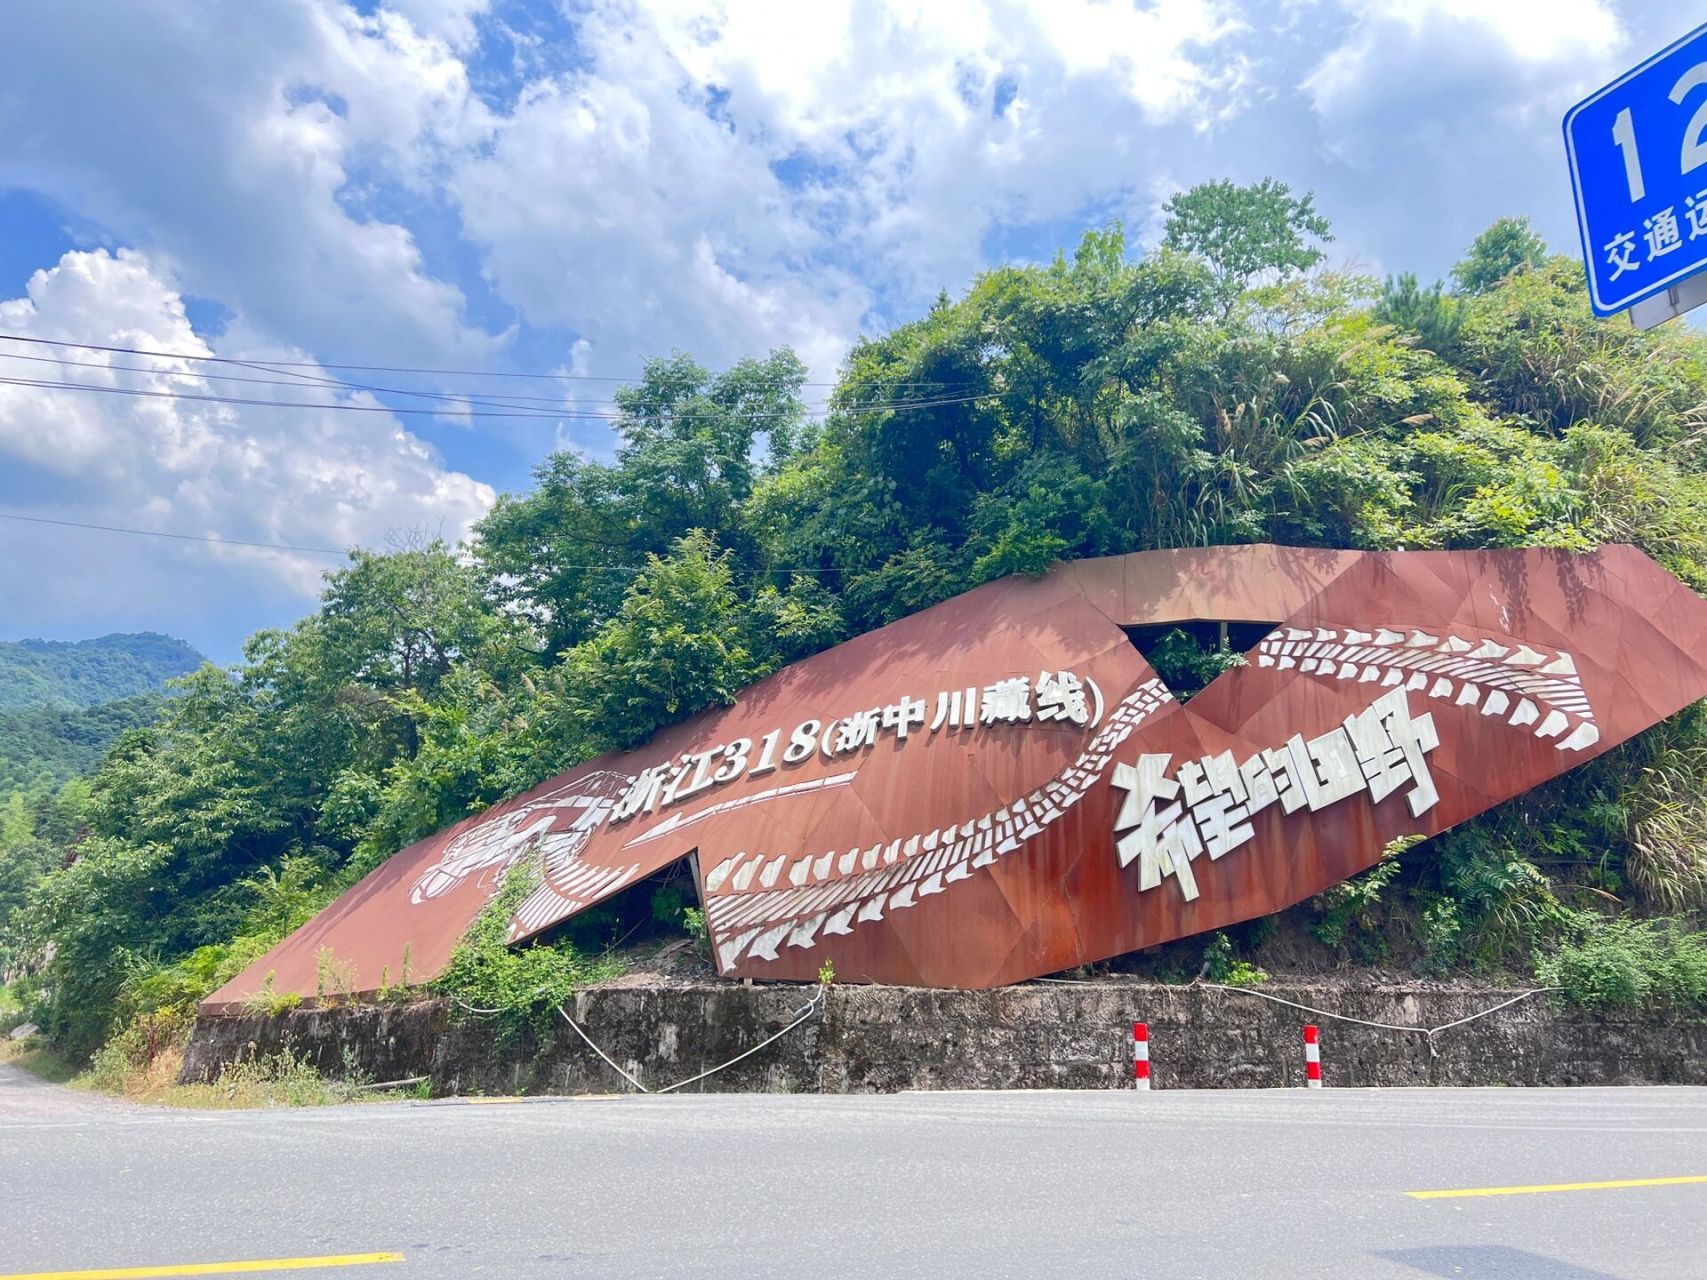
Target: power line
pixel 180 537
pixel 221 541
pixel 383 368
pixel 572 414
pixel 296 380
pixel 279 404
pixel 303 379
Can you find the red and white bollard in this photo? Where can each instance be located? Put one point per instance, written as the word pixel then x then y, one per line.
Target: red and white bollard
pixel 1141 1055
pixel 1312 1058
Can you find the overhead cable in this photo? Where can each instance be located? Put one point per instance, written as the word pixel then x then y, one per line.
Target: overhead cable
pixel 558 415
pixel 383 368
pixel 180 537
pixel 221 540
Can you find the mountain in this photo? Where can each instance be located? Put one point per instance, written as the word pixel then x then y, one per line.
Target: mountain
pixel 47 745
pixel 65 675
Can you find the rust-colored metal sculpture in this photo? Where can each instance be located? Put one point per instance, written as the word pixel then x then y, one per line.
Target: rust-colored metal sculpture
pixel 1000 786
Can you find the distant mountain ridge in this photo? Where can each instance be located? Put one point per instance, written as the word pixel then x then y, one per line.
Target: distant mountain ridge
pixel 70 674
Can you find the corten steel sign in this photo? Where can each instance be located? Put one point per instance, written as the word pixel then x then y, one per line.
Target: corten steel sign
pixel 1000 787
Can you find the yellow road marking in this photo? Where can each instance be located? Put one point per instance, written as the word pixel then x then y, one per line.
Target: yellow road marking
pixel 473 1102
pixel 1549 1186
pixel 212 1268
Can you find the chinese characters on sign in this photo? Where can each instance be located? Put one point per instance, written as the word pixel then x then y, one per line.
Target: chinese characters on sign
pixel 1057 697
pixel 1661 234
pixel 1207 805
pixel 1636 150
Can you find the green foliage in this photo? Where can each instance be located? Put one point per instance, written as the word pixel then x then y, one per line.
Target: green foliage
pixel 693 920
pixel 279 1079
pixel 677 645
pixel 515 987
pixel 1242 232
pixel 43 747
pixel 62 675
pixel 1352 908
pixel 117 1063
pixel 1241 973
pixel 1187 666
pixel 272 1002
pixel 1666 859
pixel 1218 957
pixel 1432 314
pixel 1511 244
pixel 1629 964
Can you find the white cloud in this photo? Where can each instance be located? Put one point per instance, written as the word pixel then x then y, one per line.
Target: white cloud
pixel 305 477
pixel 1457 72
pixel 1526 30
pixel 1437 116
pixel 723 178
pixel 245 147
pixel 452 21
pixel 608 208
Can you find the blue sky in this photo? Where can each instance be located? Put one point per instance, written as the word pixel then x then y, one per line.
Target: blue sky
pixel 521 186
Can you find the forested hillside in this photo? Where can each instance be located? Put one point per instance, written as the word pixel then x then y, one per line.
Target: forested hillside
pixel 45 746
pixel 62 674
pixel 1223 388
pixel 62 706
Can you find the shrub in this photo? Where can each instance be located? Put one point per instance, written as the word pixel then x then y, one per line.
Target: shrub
pixel 1352 910
pixel 1629 964
pixel 516 986
pixel 122 1063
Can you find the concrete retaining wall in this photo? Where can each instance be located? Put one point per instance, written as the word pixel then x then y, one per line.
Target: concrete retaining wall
pixel 876 1039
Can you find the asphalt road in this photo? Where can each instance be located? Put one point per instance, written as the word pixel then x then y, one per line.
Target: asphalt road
pixel 1214 1184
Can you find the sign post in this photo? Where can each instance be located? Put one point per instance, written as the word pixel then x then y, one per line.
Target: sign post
pixel 1638 155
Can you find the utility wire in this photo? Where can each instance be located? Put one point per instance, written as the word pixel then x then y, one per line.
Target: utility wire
pixel 576 414
pixel 295 380
pixel 382 368
pixel 181 537
pixel 218 540
pixel 282 404
pixel 303 379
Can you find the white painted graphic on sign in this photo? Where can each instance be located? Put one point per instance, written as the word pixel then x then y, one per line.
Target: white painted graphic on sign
pixel 1058 697
pixel 559 823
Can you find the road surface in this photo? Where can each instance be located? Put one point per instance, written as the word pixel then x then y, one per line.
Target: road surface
pixel 1215 1184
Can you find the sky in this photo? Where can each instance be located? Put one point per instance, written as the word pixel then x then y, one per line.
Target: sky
pixel 566 189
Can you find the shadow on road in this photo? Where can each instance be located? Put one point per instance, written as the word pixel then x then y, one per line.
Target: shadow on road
pixel 1488 1262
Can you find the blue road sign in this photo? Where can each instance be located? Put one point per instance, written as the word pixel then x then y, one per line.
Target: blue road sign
pixel 1638 154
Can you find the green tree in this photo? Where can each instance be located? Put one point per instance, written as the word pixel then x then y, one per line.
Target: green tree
pixel 1434 315
pixel 1507 246
pixel 1245 232
pixel 679 644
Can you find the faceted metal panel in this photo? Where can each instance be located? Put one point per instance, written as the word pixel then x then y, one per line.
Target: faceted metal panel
pixel 1000 787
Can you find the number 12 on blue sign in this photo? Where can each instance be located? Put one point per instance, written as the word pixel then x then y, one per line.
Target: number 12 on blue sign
pixel 1638 155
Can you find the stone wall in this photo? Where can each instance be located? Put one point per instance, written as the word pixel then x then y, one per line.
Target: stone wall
pixel 1040 1035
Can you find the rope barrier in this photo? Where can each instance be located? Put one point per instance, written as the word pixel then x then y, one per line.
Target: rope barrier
pixel 801 1015
pixel 1430 1032
pixel 576 1028
pixel 807 1010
